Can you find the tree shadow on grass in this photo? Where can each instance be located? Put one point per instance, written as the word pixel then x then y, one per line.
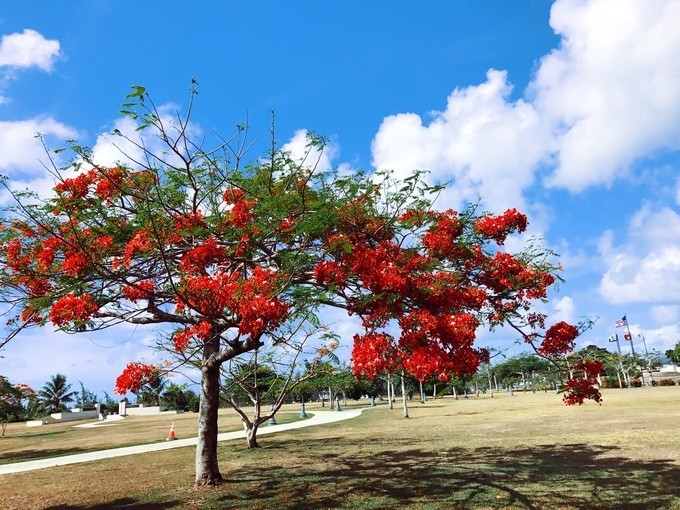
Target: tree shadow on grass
pixel 120 503
pixel 25 455
pixel 577 476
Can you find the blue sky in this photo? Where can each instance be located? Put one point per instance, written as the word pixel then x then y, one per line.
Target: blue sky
pixel 569 111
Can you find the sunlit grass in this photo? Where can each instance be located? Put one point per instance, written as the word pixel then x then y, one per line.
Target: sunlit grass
pixel 528 451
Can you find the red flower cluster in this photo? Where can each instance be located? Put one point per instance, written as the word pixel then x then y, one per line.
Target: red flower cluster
pixel 559 340
pixel 76 188
pixel 330 272
pixel 372 354
pixel 499 227
pixel 138 290
pixel 441 239
pixel 189 221
pixel 251 299
pixel 71 308
pixel 110 181
pixel 204 255
pixel 47 253
pixel 134 377
pixel 15 260
pixel 182 338
pixel 75 263
pixel 583 385
pixel 140 243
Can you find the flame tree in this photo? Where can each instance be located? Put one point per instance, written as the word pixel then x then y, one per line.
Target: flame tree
pixel 221 255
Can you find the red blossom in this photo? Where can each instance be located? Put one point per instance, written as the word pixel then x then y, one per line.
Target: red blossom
pixel 583 385
pixel 202 256
pixel 75 263
pixel 140 243
pixel 372 354
pixel 76 188
pixel 138 290
pixel 499 227
pixel 559 340
pixel 73 309
pixel 182 338
pixel 134 376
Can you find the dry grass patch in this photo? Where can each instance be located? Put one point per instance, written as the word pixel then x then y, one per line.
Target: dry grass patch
pixel 22 443
pixel 529 451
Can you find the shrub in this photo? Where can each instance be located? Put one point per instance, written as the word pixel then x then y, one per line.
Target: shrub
pixel 664 382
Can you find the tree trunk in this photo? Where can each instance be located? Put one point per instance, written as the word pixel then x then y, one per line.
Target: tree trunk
pixel 390 392
pixel 251 435
pixel 403 395
pixel 207 470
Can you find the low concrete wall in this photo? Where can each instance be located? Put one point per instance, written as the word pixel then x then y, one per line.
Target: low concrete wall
pixel 75 416
pixel 36 423
pixel 143 410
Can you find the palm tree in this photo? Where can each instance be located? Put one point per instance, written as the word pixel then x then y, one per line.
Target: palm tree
pixel 56 393
pixel 150 392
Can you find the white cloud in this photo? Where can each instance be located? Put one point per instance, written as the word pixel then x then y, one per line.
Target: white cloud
pixel 606 97
pixel 647 267
pixel 28 49
pixel 610 89
pixel 661 339
pixel 564 311
pixel 20 150
pixel 665 314
pixel 486 144
pixel 310 156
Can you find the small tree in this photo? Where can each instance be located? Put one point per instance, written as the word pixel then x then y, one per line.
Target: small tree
pixel 268 378
pixel 12 397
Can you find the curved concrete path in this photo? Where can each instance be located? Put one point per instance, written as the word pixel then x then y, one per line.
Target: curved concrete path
pixel 318 418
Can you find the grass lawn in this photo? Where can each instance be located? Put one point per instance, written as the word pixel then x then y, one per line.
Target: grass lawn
pixel 527 451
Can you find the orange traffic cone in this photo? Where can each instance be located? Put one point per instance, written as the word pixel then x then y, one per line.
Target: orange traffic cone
pixel 171 435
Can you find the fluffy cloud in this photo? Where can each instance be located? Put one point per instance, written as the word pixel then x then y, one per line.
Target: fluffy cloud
pixel 23 157
pixel 486 144
pixel 610 89
pixel 20 150
pixel 647 267
pixel 665 314
pixel 605 97
pixel 310 156
pixel 564 311
pixel 28 49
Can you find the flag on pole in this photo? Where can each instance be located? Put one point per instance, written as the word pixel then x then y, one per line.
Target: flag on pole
pixel 621 322
pixel 628 337
pixel 613 338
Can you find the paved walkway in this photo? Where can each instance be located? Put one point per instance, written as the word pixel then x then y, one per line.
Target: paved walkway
pixel 319 418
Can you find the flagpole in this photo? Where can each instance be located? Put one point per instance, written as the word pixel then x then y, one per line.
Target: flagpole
pixel 630 336
pixel 625 374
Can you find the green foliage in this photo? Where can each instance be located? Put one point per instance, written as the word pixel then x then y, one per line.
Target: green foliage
pixel 521 368
pixel 674 354
pixel 86 398
pixel 150 393
pixel 56 393
pixel 178 397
